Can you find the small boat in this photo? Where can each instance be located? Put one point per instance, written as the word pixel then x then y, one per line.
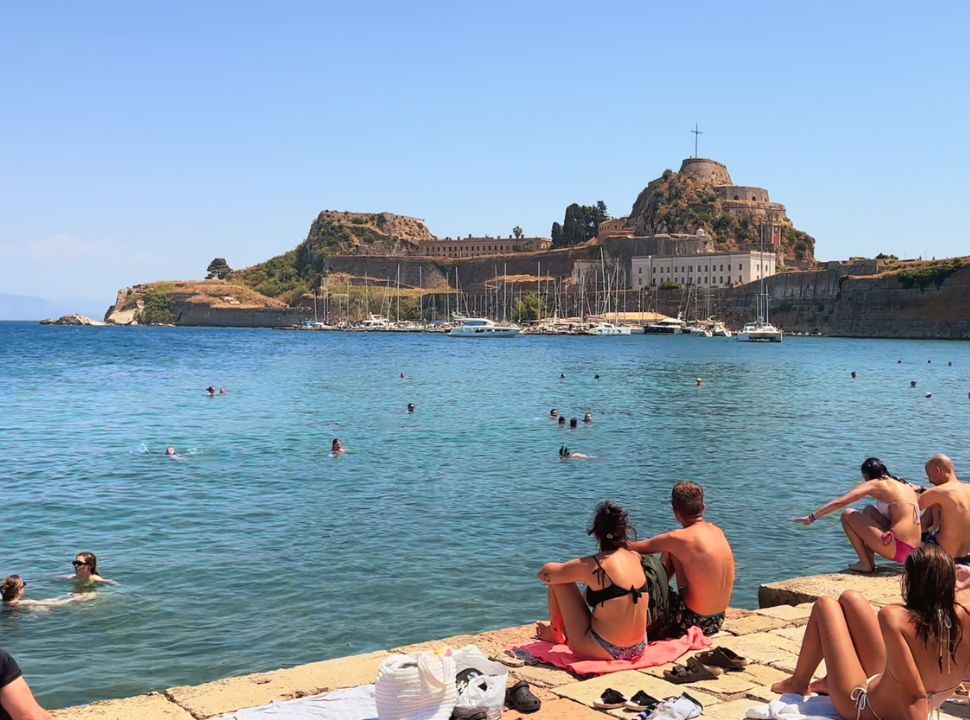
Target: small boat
pixel 760 332
pixel 605 328
pixel 720 330
pixel 482 328
pixel 667 326
pixel 699 329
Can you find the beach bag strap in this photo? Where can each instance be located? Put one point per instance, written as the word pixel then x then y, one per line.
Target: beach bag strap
pixel 436 678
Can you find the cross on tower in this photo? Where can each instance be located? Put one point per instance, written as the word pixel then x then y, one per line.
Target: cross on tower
pixel 696 134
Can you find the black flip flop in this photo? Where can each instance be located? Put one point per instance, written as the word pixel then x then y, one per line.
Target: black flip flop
pixel 642 701
pixel 722 657
pixel 692 673
pixel 520 697
pixel 610 700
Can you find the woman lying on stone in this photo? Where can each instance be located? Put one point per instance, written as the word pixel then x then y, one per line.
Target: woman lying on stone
pixel 613 626
pixel 898 664
pixel 893 532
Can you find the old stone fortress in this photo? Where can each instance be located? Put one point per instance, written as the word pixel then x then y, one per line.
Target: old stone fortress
pixel 649 240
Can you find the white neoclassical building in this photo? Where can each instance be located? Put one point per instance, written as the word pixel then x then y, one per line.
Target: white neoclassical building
pixel 708 270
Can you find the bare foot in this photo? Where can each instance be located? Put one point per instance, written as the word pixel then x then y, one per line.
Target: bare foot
pixel 820 686
pixel 547 633
pixel 862 567
pixel 784 687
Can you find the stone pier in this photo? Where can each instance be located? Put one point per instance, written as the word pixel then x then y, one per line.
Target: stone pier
pixel 768 637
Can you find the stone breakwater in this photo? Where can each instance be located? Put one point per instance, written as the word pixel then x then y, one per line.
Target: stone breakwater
pixel 768 637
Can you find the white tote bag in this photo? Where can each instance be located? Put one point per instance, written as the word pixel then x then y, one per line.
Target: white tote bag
pixel 420 687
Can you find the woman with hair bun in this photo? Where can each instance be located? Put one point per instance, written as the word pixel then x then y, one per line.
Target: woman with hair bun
pixel 609 620
pixel 898 664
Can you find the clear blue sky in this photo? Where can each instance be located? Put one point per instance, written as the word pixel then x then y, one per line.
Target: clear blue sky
pixel 139 141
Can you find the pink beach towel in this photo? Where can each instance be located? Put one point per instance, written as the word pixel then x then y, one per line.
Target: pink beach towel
pixel 659 652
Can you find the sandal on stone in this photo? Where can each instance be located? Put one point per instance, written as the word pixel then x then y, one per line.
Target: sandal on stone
pixel 692 673
pixel 642 701
pixel 520 697
pixel 722 657
pixel 509 659
pixel 610 700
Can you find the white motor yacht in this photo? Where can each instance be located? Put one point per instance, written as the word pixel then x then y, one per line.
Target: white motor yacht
pixel 667 326
pixel 720 330
pixel 760 332
pixel 605 328
pixel 699 329
pixel 482 328
pixel 374 322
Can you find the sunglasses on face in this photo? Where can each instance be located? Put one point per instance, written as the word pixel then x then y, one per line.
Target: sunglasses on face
pixel 79 563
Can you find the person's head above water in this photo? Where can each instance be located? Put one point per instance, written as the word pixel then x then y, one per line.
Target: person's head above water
pixel 223 391
pixel 687 501
pixel 940 469
pixel 211 390
pixel 85 565
pixel 170 451
pixel 410 407
pixel 929 592
pixel 562 419
pixel 12 588
pixel 553 413
pixel 611 526
pixel 874 469
pixel 336 446
pixel 573 422
pixel 588 417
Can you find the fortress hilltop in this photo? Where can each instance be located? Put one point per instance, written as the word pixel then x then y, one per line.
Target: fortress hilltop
pixel 703 197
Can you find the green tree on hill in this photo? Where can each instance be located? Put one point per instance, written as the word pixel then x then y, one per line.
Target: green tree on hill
pixel 581 223
pixel 218 268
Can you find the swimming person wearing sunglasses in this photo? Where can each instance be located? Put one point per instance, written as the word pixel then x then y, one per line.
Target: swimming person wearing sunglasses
pixel 86 570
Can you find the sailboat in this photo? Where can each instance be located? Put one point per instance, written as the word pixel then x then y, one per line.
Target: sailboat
pixel 761 330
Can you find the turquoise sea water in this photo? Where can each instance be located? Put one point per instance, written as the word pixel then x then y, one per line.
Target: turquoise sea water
pixel 257 550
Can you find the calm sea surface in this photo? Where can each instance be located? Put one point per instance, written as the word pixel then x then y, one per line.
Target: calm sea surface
pixel 257 550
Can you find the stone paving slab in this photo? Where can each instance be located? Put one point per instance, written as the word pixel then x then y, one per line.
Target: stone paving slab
pixel 795 614
pixel 542 675
pixel 143 707
pixel 794 634
pixel 559 709
pixel 763 648
pixel 226 696
pixel 627 682
pixel 753 623
pixel 881 588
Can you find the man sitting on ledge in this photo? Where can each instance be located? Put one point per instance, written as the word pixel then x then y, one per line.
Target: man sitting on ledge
pixel 946 506
pixel 701 558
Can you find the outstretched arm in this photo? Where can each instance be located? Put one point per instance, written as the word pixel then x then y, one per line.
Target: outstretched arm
pixel 657 544
pixel 857 493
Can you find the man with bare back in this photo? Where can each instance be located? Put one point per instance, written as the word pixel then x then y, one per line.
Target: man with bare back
pixel 946 506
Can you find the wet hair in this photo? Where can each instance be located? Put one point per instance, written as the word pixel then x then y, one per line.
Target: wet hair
pixel 91 560
pixel 687 499
pixel 335 444
pixel 573 423
pixel 929 592
pixel 611 526
pixel 562 419
pixel 10 588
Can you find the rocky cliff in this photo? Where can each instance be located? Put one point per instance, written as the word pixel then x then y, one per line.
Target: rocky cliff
pixel 702 196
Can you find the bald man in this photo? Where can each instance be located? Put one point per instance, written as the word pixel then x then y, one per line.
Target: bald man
pixel 949 503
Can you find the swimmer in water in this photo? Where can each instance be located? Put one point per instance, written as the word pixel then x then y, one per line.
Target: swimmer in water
pixel 170 452
pixel 566 454
pixel 14 588
pixel 588 418
pixel 562 376
pixel 699 382
pixel 211 390
pixel 562 419
pixel 573 423
pixel 223 391
pixel 553 413
pixel 912 383
pixel 402 376
pixel 86 570
pixel 853 374
pixel 410 407
pixel 337 447
pixel 596 376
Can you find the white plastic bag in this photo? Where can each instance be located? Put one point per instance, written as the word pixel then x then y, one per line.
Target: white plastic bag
pixel 420 687
pixel 486 692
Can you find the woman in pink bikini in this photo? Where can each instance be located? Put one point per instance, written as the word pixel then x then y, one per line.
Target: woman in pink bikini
pixel 894 534
pixel 899 664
